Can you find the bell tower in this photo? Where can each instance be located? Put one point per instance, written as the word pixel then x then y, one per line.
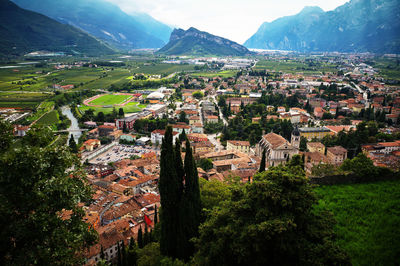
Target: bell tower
pixel 295 141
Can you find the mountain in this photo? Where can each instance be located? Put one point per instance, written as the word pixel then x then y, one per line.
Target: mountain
pixel 104 20
pixel 357 26
pixel 24 31
pixel 195 42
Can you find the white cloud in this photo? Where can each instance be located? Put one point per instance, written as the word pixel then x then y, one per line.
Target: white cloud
pixel 233 19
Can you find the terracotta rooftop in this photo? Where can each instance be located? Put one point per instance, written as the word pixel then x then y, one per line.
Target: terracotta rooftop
pixel 274 140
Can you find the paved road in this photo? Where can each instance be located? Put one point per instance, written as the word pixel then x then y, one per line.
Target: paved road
pixel 213 139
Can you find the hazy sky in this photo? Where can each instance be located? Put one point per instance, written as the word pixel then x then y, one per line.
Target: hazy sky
pixel 233 19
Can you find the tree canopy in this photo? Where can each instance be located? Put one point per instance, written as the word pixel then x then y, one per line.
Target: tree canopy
pixel 39 195
pixel 270 221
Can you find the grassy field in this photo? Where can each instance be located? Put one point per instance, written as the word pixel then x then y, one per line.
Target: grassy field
pixel 159 68
pixel 388 67
pixel 23 99
pixel 222 74
pixel 49 119
pixel 132 107
pixel 293 66
pixel 111 99
pixel 368 220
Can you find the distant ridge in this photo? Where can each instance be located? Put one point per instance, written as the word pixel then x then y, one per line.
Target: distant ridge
pixel 24 31
pixel 356 26
pixel 195 42
pixel 105 21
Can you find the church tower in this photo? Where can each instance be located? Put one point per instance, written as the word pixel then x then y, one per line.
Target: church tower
pixel 295 141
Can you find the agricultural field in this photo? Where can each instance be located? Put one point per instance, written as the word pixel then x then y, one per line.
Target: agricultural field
pixel 159 68
pixel 389 68
pixel 49 119
pixel 22 99
pixel 368 220
pixel 294 66
pixel 222 74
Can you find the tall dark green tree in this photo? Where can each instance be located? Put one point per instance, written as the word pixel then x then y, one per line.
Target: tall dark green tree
pixel 121 112
pixel 179 165
pixel 170 193
pixel 182 136
pixel 262 163
pixel 190 205
pixel 132 253
pixel 119 258
pixel 155 215
pixel 124 257
pixel 146 238
pixel 72 144
pixel 125 128
pixel 140 238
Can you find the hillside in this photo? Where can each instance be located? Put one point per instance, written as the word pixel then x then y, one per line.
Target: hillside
pixel 25 31
pixel 357 26
pixel 104 20
pixel 195 42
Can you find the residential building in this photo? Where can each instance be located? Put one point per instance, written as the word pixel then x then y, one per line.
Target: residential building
pixel 314 132
pixel 196 137
pixel 316 147
pixel 336 155
pixel 158 135
pixel 242 146
pixel 91 144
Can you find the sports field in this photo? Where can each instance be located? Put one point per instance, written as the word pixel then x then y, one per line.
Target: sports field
pixel 109 100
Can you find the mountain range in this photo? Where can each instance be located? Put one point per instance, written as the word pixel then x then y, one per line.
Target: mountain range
pixel 105 21
pixel 195 42
pixel 356 26
pixel 24 31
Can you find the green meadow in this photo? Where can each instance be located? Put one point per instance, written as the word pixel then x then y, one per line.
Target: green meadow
pixel 110 99
pixel 294 66
pixel 368 220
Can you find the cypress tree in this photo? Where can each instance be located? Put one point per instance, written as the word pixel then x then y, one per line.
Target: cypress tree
pixel 132 253
pixel 72 144
pixel 179 165
pixel 170 193
pixel 191 205
pixel 124 128
pixel 262 164
pixel 132 243
pixel 155 215
pixel 119 263
pixel 140 238
pixel 146 235
pixel 182 136
pixel 124 258
pixel 102 256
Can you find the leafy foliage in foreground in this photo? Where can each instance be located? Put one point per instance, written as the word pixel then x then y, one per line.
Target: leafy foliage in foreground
pixel 37 186
pixel 269 222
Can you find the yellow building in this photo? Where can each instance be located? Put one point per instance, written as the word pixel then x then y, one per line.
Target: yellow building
pixel 242 146
pixel 316 147
pixel 314 132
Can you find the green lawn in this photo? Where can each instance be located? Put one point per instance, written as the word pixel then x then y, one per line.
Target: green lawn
pixel 111 99
pixel 368 220
pixel 132 107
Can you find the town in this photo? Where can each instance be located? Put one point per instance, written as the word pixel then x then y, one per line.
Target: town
pixel 234 113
